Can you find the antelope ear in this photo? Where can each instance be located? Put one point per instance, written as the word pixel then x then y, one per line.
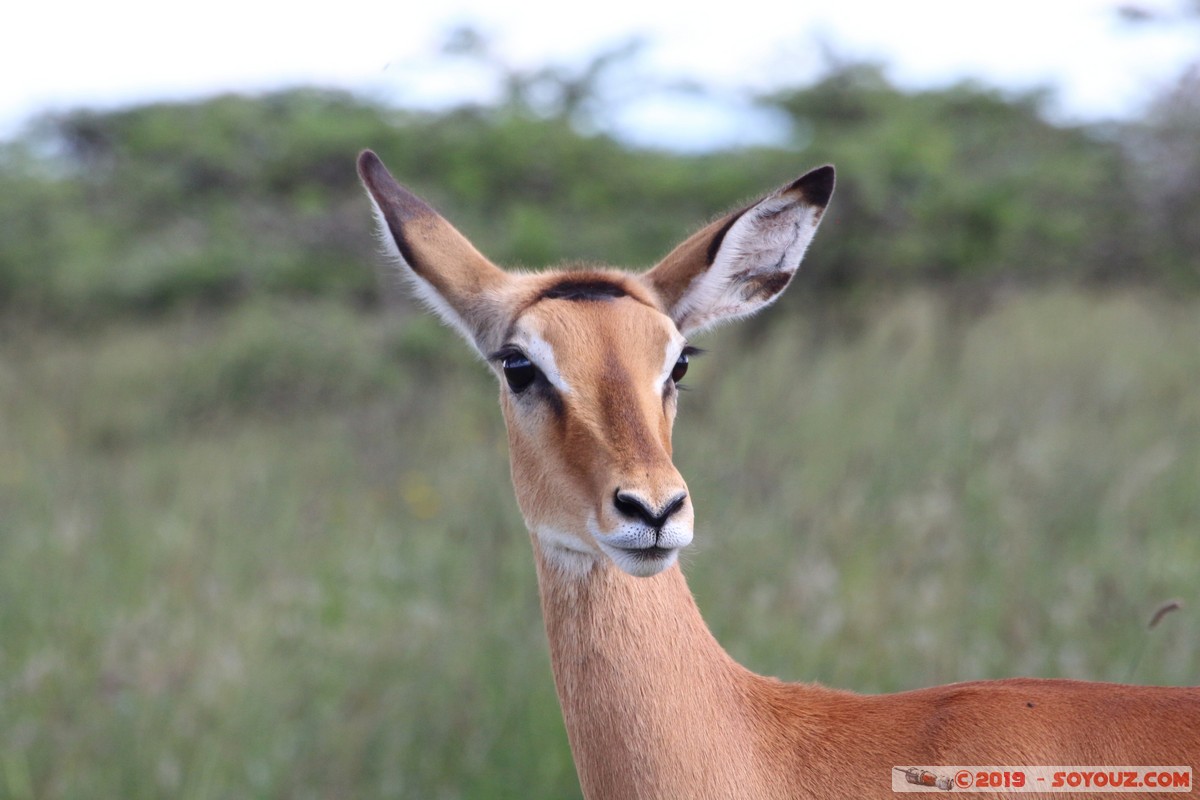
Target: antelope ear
pixel 446 271
pixel 742 262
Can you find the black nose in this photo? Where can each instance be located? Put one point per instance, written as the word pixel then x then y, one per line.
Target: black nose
pixel 634 507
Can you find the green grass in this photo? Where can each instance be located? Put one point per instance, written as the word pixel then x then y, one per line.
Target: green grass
pixel 275 553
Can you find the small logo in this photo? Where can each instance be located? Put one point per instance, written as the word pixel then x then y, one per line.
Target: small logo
pixel 923 777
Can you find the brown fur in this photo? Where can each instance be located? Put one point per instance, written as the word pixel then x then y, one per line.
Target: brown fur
pixel 654 707
pixel 611 435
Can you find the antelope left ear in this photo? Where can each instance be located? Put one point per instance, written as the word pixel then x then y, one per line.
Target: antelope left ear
pixel 742 262
pixel 445 269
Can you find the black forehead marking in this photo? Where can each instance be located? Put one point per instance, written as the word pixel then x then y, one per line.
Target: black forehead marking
pixel 598 288
pixel 583 289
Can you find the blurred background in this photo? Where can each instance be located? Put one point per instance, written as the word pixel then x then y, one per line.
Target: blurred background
pixel 257 538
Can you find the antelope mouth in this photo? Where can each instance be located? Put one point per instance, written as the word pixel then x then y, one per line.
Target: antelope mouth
pixel 652 553
pixel 642 551
pixel 643 562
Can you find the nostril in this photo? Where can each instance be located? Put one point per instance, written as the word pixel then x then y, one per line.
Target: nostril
pixel 630 506
pixel 673 506
pixel 634 507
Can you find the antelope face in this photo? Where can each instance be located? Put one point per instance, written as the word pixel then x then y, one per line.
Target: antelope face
pixel 589 381
pixel 589 361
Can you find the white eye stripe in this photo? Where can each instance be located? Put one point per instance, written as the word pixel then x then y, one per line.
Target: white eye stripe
pixel 542 355
pixel 674 347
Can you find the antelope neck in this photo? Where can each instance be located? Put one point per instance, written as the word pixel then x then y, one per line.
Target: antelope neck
pixel 650 700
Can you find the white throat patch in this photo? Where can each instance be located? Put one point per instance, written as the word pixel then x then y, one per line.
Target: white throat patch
pixel 566 551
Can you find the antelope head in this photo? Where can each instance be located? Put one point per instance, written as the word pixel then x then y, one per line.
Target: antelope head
pixel 589 360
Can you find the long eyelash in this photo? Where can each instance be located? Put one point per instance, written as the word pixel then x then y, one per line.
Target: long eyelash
pixel 505 352
pixel 690 352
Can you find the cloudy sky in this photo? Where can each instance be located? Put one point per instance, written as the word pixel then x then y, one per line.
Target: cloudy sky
pixel 72 53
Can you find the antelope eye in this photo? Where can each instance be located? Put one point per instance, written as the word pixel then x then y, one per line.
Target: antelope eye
pixel 519 372
pixel 680 368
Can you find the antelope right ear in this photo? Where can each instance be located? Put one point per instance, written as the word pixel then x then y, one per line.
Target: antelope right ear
pixel 445 269
pixel 742 262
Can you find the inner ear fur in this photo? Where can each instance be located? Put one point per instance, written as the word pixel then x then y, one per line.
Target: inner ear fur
pixel 743 261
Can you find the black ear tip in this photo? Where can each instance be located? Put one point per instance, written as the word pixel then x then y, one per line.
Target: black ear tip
pixel 369 165
pixel 392 198
pixel 816 186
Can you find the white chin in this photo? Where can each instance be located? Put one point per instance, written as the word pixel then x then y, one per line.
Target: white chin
pixel 642 563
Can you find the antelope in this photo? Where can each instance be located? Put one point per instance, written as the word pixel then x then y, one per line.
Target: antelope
pixel 588 361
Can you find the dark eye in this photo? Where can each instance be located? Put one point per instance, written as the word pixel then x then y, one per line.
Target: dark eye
pixel 680 368
pixel 519 372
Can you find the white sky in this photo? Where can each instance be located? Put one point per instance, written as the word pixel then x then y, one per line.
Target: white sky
pixel 71 53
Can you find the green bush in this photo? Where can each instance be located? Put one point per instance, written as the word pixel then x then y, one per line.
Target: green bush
pixel 210 203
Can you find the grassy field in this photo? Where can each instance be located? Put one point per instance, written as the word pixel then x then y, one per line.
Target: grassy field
pixel 274 553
